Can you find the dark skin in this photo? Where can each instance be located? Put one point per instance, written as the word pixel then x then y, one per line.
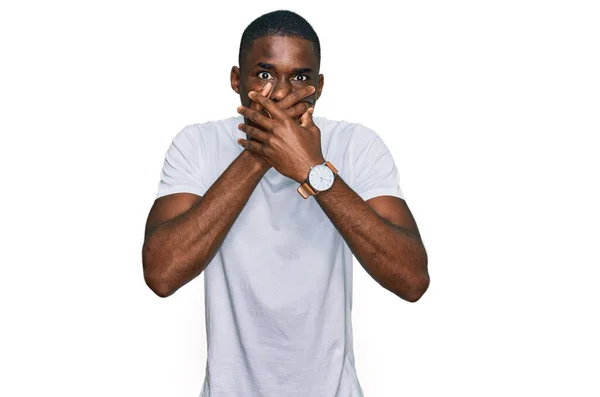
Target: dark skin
pixel 381 232
pixel 282 61
pixel 184 231
pixel 271 69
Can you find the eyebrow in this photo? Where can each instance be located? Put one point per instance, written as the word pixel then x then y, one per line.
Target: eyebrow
pixel 270 66
pixel 266 66
pixel 302 70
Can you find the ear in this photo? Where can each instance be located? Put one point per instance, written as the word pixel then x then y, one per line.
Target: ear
pixel 235 79
pixel 320 85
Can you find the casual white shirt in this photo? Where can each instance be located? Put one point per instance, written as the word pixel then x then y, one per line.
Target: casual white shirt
pixel 279 290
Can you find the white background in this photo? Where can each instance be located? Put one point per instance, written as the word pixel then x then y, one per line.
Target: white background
pixel 491 110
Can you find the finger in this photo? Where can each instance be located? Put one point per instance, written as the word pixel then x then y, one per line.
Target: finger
pixel 298 109
pixel 307 120
pixel 259 119
pixel 266 90
pixel 254 133
pixel 268 105
pixel 253 146
pixel 296 96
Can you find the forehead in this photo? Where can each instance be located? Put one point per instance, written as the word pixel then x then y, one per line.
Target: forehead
pixel 282 50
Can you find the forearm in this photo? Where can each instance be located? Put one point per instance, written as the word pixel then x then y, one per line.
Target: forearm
pixel 178 250
pixel 393 256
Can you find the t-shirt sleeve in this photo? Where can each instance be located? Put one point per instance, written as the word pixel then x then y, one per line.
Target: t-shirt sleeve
pixel 182 171
pixel 374 168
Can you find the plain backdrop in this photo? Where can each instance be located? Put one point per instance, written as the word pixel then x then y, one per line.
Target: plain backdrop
pixel 490 108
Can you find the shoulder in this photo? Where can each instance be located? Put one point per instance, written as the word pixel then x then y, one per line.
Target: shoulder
pixel 207 131
pixel 208 128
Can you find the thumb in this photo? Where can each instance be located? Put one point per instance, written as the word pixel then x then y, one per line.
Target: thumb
pixel 306 118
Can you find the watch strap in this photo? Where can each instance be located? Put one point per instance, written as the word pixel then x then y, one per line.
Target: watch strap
pixel 306 190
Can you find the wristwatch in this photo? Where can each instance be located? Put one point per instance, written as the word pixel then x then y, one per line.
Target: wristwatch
pixel 320 177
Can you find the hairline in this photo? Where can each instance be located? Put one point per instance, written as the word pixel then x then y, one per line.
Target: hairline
pixel 281 34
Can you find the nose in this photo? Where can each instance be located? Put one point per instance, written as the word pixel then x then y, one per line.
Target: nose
pixel 280 90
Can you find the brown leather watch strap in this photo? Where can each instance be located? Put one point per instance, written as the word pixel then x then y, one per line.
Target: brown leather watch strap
pixel 306 190
pixel 331 167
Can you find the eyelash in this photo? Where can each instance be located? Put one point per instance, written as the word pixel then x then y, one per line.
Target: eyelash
pixel 306 78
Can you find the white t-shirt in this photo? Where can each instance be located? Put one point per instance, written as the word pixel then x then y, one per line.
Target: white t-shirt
pixel 279 290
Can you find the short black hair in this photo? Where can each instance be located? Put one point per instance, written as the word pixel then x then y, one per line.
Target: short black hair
pixel 278 23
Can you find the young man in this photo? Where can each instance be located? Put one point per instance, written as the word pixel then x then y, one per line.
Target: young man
pixel 270 205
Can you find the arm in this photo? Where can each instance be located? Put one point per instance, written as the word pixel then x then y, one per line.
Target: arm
pixel 382 234
pixel 184 231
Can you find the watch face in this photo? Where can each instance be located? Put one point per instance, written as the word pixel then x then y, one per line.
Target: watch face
pixel 320 177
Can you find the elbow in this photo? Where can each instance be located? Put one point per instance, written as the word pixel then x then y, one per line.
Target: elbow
pixel 418 289
pixel 160 288
pixel 420 281
pixel 154 274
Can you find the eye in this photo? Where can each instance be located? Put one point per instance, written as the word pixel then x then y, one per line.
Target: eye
pixel 264 75
pixel 300 77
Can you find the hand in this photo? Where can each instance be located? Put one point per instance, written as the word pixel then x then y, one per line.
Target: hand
pixel 289 147
pixel 293 104
pixel 265 91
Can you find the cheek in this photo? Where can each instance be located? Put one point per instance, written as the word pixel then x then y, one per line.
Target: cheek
pixel 254 84
pixel 246 88
pixel 245 101
pixel 311 99
pixel 244 97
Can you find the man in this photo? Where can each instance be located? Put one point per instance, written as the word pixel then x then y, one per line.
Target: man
pixel 272 220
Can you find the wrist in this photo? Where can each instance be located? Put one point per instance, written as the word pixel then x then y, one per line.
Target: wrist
pixel 303 176
pixel 255 161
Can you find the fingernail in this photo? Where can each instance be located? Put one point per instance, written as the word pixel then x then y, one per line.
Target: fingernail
pixel 251 94
pixel 239 109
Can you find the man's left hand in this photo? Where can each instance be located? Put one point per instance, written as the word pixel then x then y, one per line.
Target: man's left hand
pixel 289 147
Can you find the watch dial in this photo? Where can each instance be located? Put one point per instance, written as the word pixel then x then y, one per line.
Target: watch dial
pixel 321 177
